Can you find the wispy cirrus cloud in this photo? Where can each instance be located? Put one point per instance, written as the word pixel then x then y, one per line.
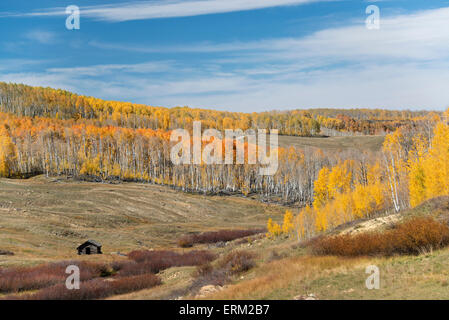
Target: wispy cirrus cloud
pixel 399 66
pixel 144 10
pixel 41 36
pixel 107 69
pixel 14 64
pixel 423 35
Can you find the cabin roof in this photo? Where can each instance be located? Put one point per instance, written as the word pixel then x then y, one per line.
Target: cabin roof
pixel 88 242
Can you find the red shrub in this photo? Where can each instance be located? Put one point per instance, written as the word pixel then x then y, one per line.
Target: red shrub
pixel 141 267
pixel 94 289
pixel 216 236
pixel 154 261
pixel 133 268
pixel 135 283
pixel 33 278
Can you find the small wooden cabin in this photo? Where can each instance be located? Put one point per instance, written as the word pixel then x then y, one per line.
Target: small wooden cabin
pixel 90 247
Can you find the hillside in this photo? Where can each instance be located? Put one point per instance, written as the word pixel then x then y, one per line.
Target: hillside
pixel 402 277
pixel 77 168
pixel 45 219
pixel 59 133
pixel 27 101
pixel 286 270
pixel 359 143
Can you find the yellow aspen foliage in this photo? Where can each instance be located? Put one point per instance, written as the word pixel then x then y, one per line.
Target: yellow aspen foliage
pixel 7 154
pixel 287 226
pixel 393 141
pixel 91 167
pixel 429 166
pixel 301 227
pixel 116 170
pixel 436 164
pixel 374 173
pixel 321 219
pixel 396 167
pixel 321 191
pixel 343 208
pixel 305 223
pixel 361 201
pixel 273 228
pixel 108 139
pixel 339 199
pixel 417 185
pixel 423 173
pixel 377 194
pixel 339 180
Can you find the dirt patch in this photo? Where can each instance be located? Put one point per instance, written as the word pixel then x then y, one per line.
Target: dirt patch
pixel 373 224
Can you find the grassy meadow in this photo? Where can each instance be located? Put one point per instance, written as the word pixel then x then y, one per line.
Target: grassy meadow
pixel 45 219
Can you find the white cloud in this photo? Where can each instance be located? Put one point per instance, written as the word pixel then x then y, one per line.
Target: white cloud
pixel 402 65
pixel 107 69
pixel 14 64
pixel 41 36
pixel 393 87
pixel 422 36
pixel 167 9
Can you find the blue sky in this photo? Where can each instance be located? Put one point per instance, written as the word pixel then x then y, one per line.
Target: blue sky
pixel 238 55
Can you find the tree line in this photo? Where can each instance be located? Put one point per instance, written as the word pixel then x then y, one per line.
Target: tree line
pixel 27 101
pixel 55 132
pixel 412 168
pixel 30 146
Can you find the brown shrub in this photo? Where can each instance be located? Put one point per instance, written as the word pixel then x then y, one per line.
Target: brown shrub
pixel 219 275
pixel 274 255
pixel 237 262
pixel 418 235
pixel 186 242
pixel 215 277
pixel 204 270
pixel 216 236
pixel 410 237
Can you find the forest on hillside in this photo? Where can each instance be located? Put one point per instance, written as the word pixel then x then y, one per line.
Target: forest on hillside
pixel 27 101
pixel 55 132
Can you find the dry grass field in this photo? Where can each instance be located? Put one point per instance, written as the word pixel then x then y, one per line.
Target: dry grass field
pixel 359 143
pixel 45 219
pixel 296 274
pixel 406 277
